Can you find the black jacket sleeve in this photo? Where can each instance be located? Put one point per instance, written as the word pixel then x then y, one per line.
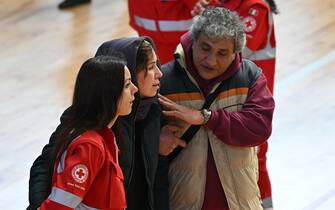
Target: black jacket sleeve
pixel 161 186
pixel 39 180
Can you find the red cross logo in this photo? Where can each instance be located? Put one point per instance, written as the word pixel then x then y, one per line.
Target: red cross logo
pixel 249 24
pixel 80 173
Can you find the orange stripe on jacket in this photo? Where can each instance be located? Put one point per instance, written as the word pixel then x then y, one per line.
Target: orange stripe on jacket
pixel 197 96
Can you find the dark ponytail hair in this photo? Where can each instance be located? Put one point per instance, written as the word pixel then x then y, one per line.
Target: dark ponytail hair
pixel 273 6
pixel 99 86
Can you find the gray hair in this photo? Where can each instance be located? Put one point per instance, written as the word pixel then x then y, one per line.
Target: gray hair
pixel 220 23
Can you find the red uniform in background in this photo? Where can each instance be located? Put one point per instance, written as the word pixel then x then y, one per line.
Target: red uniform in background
pixel 261 43
pixel 87 175
pixel 165 21
pixel 261 49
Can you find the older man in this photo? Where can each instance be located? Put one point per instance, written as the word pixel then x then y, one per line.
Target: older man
pixel 218 167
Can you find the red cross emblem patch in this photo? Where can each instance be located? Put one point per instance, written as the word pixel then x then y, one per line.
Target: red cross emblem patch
pixel 80 173
pixel 249 24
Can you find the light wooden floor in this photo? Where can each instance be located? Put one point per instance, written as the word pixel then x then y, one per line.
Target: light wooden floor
pixel 41 49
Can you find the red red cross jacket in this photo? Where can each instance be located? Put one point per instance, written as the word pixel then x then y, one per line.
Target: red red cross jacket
pixel 259 28
pixel 87 175
pixel 165 21
pixel 261 49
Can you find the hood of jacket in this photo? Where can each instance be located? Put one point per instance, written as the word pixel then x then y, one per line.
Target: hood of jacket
pixel 128 47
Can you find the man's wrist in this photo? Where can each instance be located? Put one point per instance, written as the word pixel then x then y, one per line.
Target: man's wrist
pixel 206 114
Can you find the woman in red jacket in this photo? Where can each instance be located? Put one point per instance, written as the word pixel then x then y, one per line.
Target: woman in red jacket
pixel 84 160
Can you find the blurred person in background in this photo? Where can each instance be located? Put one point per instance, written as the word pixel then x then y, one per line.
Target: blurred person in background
pixel 67 4
pixel 162 20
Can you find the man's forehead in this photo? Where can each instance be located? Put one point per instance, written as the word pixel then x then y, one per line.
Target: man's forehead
pixel 222 42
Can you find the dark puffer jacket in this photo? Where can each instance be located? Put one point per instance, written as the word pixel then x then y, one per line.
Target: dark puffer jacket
pixel 148 136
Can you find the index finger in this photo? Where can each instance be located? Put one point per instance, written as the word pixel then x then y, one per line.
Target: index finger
pixel 168 104
pixel 181 143
pixel 205 3
pixel 173 128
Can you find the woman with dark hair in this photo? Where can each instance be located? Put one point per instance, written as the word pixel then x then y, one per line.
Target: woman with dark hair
pixel 139 132
pixel 83 158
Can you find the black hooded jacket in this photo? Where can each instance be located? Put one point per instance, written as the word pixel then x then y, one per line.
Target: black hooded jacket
pixel 145 137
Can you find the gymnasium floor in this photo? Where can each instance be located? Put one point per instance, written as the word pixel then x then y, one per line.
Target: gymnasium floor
pixel 42 48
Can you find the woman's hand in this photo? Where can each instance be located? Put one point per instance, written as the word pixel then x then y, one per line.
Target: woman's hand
pixel 199 7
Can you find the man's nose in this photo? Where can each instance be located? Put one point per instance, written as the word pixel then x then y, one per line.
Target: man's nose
pixel 211 60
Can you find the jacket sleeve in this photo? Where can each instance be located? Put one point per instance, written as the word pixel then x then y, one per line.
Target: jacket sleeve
pixel 161 185
pixel 250 126
pixel 40 179
pixel 74 175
